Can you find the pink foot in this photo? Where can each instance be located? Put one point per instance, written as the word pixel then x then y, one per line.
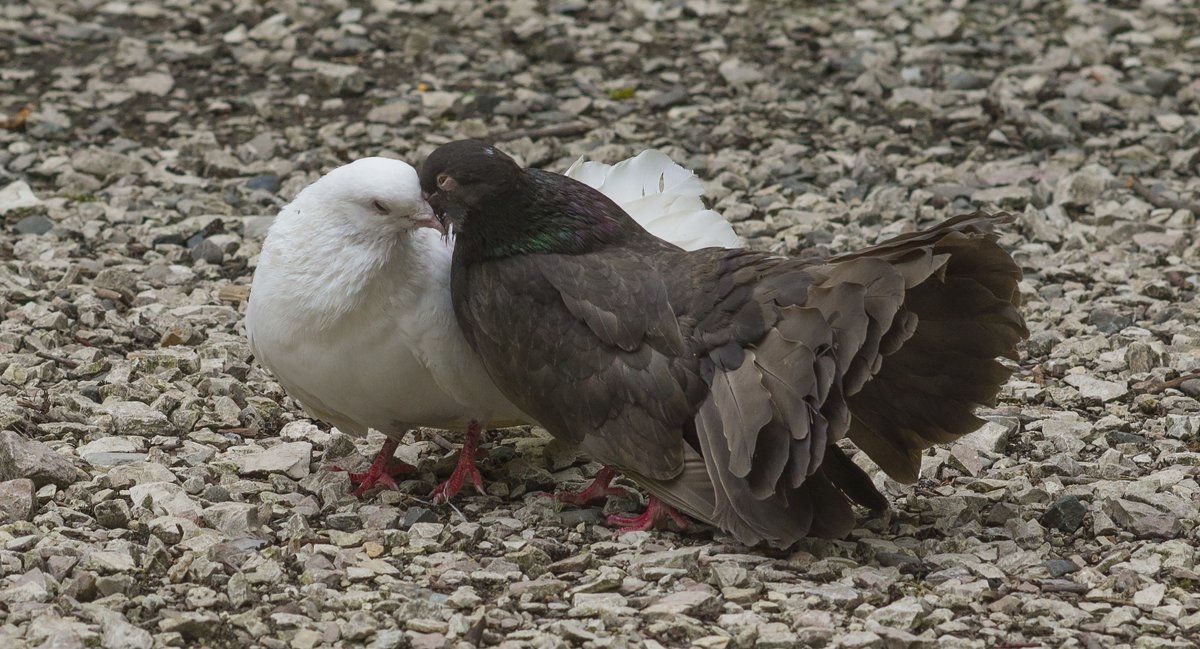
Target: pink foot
pixel 464 469
pixel 598 490
pixel 656 512
pixel 383 470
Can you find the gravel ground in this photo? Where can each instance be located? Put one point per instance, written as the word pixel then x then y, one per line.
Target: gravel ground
pixel 157 488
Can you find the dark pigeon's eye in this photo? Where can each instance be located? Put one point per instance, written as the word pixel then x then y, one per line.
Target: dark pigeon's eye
pixel 445 182
pixel 379 206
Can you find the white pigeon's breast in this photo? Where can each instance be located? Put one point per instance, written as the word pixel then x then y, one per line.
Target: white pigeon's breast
pixel 393 360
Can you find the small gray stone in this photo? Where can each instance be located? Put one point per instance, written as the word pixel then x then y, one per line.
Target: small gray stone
pixel 359 626
pixel 192 625
pixel 1011 196
pixel 437 102
pixel 113 450
pixel 339 79
pixel 674 96
pixel 118 633
pixel 511 108
pixel 34 224
pixel 682 559
pixel 597 604
pixel 737 73
pixel 17 195
pixel 105 164
pixel 1141 357
pixel 694 602
pixel 1182 427
pixel 112 513
pixel 255 227
pixel 1041 343
pixel 1172 242
pixel 345 521
pixel 165 498
pixel 1144 521
pixel 1083 187
pixel 416 515
pixel 393 113
pixel 137 418
pixel 945 25
pixel 117 279
pixel 1065 514
pixel 539 588
pixel 153 83
pixel 27 458
pixel 115 584
pixel 1161 82
pixel 1066 432
pixel 861 640
pixel 1092 388
pixel 136 473
pixel 291 458
pixel 1108 321
pixel 215 493
pixel 967 80
pixel 993 436
pixel 1115 437
pixel 1060 567
pixel 265 182
pixel 222 163
pixel 1150 596
pixel 16 500
pixel 209 252
pixel 428 641
pixel 109 561
pixel 523 474
pixel 907 563
pixel 1191 387
pixel 234 520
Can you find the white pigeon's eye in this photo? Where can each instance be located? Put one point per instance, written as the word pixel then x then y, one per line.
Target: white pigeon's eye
pixel 445 182
pixel 379 206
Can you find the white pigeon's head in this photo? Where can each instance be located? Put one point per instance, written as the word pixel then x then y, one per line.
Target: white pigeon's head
pixel 372 197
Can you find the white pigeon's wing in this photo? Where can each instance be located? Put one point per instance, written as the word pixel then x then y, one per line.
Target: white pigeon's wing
pixel 591 174
pixel 662 196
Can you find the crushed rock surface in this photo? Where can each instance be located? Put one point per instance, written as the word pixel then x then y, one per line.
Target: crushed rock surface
pixel 159 489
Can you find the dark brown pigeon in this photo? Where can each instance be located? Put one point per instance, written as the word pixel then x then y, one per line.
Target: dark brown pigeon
pixel 720 380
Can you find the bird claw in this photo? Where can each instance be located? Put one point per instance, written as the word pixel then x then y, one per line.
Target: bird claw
pixel 366 481
pixel 599 489
pixel 464 469
pixel 656 513
pixel 383 470
pixel 590 495
pixel 452 485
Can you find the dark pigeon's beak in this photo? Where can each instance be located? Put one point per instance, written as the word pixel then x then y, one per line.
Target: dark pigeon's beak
pixel 426 218
pixel 435 200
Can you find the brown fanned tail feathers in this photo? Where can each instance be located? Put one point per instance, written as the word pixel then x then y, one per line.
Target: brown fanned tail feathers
pixel 894 345
pixel 967 317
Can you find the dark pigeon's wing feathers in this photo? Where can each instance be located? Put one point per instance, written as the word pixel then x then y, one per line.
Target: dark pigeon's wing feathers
pixel 798 339
pixel 589 346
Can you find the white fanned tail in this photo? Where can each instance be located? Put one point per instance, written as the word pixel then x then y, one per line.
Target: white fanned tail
pixel 662 196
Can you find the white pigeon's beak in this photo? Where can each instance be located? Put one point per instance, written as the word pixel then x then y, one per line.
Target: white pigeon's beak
pixel 425 218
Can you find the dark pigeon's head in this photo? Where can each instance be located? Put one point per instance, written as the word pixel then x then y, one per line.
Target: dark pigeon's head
pixel 460 178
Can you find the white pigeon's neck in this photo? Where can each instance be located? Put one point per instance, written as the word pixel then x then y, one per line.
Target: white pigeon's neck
pixel 318 272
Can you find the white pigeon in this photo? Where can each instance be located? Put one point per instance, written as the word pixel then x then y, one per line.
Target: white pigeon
pixel 351 306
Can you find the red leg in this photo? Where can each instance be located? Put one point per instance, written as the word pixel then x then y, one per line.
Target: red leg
pixel 383 470
pixel 599 489
pixel 656 512
pixel 465 469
